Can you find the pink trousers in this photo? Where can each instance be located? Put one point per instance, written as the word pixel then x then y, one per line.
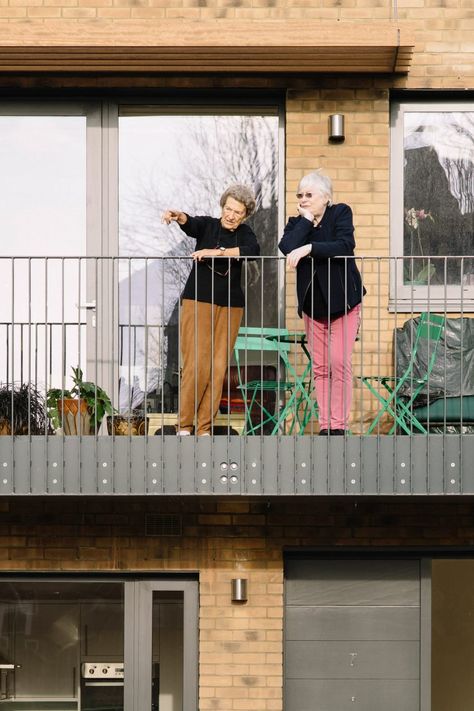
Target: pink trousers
pixel 330 344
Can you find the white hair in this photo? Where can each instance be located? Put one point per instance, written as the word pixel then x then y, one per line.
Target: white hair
pixel 320 182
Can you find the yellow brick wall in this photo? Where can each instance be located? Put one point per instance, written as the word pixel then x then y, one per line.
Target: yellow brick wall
pixel 359 168
pixel 240 646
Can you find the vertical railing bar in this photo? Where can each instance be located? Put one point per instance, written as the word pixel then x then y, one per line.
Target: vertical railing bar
pixel 161 336
pixel 461 382
pixel 79 365
pixel 63 336
pixel 145 403
pixel 130 386
pixel 12 412
pixel 114 376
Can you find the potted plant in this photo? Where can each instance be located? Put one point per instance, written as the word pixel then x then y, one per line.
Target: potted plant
pixel 79 410
pixel 22 410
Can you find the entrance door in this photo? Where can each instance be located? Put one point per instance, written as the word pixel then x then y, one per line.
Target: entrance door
pixel 85 645
pixel 353 635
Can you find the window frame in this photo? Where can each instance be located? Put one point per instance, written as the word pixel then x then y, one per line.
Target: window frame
pixel 403 297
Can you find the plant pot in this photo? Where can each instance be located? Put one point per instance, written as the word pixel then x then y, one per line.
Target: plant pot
pixel 73 421
pixel 126 425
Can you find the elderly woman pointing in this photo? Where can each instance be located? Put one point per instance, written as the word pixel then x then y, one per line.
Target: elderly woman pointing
pixel 329 294
pixel 212 304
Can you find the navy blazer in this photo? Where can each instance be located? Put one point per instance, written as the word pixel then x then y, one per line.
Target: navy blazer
pixel 339 280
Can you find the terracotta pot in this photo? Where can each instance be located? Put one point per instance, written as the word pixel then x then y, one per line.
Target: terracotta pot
pixel 73 421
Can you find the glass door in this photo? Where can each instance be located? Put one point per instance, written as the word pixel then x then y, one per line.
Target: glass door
pixel 50 222
pixel 184 157
pixel 161 638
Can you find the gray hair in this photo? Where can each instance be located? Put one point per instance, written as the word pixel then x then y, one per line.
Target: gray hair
pixel 320 182
pixel 242 194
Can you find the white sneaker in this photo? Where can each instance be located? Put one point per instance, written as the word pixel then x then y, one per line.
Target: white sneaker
pixel 183 433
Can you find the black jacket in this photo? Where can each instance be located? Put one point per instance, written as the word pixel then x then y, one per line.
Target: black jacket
pixel 336 281
pixel 205 282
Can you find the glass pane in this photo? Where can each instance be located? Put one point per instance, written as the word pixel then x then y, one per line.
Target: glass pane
pixel 186 162
pixel 43 189
pixel 452 635
pixel 167 651
pixel 52 635
pixel 438 196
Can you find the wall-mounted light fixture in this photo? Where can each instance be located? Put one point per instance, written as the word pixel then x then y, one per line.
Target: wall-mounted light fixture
pixel 239 589
pixel 336 128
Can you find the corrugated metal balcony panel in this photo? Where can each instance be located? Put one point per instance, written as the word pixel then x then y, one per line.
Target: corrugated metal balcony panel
pixel 267 466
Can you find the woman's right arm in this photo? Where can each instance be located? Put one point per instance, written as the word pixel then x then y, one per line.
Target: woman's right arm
pixel 295 234
pixel 170 216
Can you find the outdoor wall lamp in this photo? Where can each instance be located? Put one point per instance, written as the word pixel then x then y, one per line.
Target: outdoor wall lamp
pixel 336 128
pixel 239 589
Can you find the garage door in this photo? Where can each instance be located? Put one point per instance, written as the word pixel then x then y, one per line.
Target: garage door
pixel 352 635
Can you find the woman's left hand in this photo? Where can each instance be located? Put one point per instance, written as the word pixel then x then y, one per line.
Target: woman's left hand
pixel 294 257
pixel 203 253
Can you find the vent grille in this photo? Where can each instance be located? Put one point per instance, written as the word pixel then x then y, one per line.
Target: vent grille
pixel 163 525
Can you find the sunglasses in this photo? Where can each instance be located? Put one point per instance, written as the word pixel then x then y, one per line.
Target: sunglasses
pixel 300 196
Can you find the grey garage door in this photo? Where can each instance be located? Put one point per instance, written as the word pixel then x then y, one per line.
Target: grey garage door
pixel 352 635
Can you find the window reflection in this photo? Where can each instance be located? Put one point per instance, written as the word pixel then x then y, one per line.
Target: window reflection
pixel 183 162
pixel 438 196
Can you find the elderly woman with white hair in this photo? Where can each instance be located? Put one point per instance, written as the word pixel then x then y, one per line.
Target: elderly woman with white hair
pixel 329 294
pixel 212 304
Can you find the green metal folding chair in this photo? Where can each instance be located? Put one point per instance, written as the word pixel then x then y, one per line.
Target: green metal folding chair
pixel 255 339
pixel 398 394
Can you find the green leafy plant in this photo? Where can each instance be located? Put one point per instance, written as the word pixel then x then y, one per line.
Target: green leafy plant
pixel 97 401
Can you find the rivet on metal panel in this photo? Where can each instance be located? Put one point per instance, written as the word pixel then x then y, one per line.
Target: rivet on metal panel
pixel 402 481
pixel 154 465
pixel 353 481
pixel 453 481
pixel 303 465
pixel 254 464
pixel 5 481
pixel 234 479
pixel 353 465
pixel 5 464
pixel 403 465
pixel 234 466
pixel 353 698
pixel 203 481
pixel 254 481
pixel 154 481
pixel 104 464
pixel 104 481
pixel 204 465
pixel 55 464
pixel 453 465
pixel 224 466
pixel 303 481
pixel 223 479
pixel 55 481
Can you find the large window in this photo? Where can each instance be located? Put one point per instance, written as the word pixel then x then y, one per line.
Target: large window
pixel 183 158
pixel 432 210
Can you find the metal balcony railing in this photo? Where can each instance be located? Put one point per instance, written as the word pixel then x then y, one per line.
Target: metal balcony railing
pixel 101 362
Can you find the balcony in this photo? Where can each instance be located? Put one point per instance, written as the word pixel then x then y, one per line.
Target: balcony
pixel 118 320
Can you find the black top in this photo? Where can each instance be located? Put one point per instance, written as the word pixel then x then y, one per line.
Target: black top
pixel 209 279
pixel 325 285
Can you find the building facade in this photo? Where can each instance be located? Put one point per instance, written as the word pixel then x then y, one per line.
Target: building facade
pixel 356 556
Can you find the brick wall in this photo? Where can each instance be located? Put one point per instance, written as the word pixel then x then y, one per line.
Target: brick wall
pixel 240 645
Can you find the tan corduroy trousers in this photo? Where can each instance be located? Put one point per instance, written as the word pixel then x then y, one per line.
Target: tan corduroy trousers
pixel 208 334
